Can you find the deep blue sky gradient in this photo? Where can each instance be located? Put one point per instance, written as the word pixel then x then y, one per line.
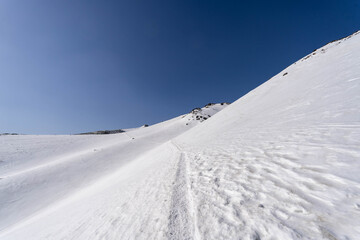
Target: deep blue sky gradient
pixel 74 66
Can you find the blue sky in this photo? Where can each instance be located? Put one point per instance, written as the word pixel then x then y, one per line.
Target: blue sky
pixel 74 66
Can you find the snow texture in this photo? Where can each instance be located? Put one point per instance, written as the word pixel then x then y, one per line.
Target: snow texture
pixel 282 162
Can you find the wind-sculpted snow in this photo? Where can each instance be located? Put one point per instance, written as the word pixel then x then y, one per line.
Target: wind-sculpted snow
pixel 282 162
pixel 281 187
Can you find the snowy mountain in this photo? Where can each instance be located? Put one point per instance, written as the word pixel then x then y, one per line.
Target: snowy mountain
pixel 201 114
pixel 282 162
pixel 193 118
pixel 103 132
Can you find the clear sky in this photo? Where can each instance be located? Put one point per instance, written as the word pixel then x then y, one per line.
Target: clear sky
pixel 69 66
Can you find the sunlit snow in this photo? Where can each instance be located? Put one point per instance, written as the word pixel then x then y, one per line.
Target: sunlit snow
pixel 282 162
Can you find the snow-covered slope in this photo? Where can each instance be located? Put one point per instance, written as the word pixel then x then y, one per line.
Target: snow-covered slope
pixel 282 162
pixel 36 171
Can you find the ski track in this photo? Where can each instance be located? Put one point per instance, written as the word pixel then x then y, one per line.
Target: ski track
pixel 180 220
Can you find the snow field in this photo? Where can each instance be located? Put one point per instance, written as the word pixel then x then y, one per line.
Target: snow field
pixel 282 162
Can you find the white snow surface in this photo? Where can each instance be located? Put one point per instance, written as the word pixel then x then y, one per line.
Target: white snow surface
pixel 282 162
